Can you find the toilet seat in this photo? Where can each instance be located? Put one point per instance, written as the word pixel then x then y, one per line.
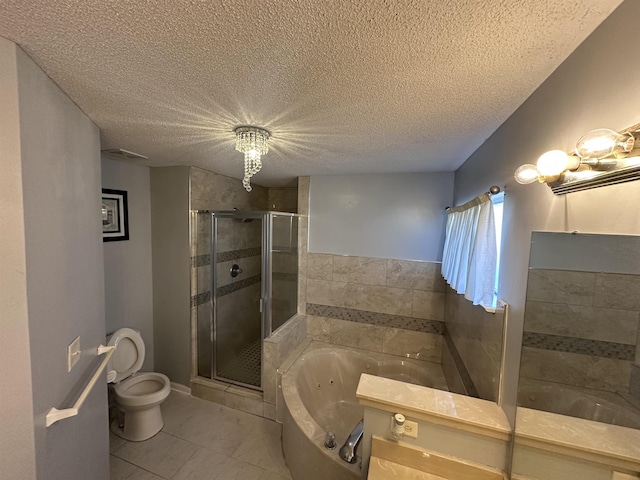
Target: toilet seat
pixel 128 356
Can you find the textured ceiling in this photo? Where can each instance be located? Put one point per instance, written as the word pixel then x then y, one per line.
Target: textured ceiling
pixel 344 86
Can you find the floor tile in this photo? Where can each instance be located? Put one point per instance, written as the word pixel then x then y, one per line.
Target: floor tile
pixel 264 451
pixel 141 474
pixel 208 465
pixel 119 469
pixel 267 475
pixel 115 442
pixel 216 433
pixel 162 454
pixel 202 441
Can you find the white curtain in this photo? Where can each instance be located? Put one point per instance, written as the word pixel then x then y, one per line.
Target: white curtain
pixel 469 258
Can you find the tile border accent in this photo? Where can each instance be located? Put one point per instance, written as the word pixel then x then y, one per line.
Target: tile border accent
pixel 238 254
pixel 201 260
pixel 235 286
pixel 465 376
pixel 594 348
pixel 373 318
pixel 197 300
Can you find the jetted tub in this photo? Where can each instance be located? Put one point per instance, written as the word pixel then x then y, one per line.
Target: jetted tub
pixel 319 391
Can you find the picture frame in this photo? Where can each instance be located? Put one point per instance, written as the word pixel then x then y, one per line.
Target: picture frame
pixel 115 218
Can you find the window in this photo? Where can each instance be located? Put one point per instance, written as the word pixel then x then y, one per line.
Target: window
pixel 498 205
pixel 471 251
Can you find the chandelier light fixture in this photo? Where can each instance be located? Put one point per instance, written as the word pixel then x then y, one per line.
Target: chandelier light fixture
pixel 253 142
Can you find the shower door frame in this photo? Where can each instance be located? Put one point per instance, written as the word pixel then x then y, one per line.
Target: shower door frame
pixel 265 282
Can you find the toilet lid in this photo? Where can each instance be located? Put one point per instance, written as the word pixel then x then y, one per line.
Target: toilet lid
pixel 128 356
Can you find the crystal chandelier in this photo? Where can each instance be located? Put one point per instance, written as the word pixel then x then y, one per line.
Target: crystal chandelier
pixel 253 142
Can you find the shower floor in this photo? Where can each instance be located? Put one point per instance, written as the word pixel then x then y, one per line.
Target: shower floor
pixel 245 367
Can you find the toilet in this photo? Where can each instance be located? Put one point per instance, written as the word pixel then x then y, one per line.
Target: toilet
pixel 138 394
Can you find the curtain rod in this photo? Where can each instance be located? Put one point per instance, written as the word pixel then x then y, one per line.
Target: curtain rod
pixel 493 190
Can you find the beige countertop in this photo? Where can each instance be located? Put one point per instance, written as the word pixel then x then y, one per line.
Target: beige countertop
pixel 438 406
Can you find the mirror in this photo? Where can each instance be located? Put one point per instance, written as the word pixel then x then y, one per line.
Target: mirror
pixel 580 338
pixel 580 344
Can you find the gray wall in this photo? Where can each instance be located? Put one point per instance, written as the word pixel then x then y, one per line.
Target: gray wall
pixel 127 264
pixel 399 216
pixel 16 415
pixel 589 90
pixel 170 254
pixel 59 157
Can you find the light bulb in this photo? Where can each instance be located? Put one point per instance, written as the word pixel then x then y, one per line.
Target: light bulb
pixel 603 142
pixel 526 173
pixel 552 163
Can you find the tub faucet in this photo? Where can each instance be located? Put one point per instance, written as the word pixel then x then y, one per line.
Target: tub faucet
pixel 348 450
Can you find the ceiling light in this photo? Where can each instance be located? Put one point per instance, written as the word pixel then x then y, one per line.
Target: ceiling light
pixel 253 142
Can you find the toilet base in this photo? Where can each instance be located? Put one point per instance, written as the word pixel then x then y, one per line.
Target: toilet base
pixel 139 425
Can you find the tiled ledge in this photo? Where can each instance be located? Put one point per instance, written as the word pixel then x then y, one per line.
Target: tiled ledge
pixel 445 408
pixel 611 445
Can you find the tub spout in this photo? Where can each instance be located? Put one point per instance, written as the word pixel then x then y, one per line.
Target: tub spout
pixel 348 450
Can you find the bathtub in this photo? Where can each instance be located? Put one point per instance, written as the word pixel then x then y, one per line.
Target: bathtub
pixel 319 392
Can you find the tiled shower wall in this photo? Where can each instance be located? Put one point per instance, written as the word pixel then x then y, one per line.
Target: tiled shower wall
pixel 581 329
pixel 473 347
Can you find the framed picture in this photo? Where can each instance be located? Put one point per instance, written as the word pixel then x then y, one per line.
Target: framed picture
pixel 115 222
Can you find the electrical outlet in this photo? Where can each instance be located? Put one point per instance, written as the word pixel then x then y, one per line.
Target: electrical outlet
pixel 73 353
pixel 411 429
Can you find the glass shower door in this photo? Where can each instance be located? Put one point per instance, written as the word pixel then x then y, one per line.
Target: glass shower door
pixel 284 268
pixel 236 297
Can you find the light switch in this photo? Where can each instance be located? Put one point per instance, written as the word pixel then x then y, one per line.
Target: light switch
pixel 73 353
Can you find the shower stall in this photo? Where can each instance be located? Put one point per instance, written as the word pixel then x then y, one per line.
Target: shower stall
pixel 247 287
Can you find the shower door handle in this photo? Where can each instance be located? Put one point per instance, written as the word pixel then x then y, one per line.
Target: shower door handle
pixel 235 270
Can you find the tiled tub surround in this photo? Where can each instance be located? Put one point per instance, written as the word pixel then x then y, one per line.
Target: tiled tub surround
pixel 401 288
pixel 581 329
pixel 472 349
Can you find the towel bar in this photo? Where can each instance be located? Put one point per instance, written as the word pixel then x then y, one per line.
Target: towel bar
pixel 55 415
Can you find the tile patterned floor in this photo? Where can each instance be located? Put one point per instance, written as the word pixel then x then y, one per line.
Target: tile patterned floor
pixel 202 441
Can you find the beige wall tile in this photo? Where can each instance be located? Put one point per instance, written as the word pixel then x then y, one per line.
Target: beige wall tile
pixel 394 301
pixel 409 344
pixel 416 275
pixel 318 328
pixel 428 305
pixel 320 266
pixel 575 369
pixel 617 291
pixel 605 324
pixel 454 380
pixel 361 270
pixel 561 286
pixel 357 335
pixel 303 195
pixel 335 294
pixel 483 372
